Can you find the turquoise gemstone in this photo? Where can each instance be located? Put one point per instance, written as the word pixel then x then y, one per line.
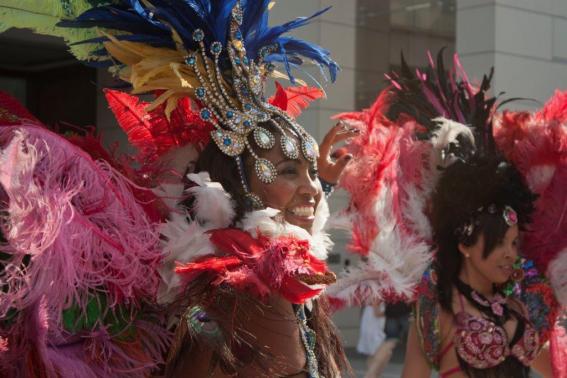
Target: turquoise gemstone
pixel 191 61
pixel 205 114
pixel 216 47
pixel 198 35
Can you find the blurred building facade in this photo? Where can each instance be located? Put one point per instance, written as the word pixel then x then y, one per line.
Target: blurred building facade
pixel 525 40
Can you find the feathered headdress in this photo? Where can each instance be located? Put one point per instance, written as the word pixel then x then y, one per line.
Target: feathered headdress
pixel 218 53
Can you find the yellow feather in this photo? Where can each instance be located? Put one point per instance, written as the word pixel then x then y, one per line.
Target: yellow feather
pixel 175 67
pixel 160 100
pixel 280 75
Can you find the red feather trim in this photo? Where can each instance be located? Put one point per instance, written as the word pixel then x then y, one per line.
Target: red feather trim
pixel 152 133
pixel 236 242
pixel 260 265
pixel 295 99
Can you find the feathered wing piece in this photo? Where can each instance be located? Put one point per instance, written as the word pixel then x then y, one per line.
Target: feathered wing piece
pixel 79 262
pixel 420 124
pixel 537 145
pixel 390 181
pixel 152 132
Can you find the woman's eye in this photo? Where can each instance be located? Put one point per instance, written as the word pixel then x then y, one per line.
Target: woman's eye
pixel 288 171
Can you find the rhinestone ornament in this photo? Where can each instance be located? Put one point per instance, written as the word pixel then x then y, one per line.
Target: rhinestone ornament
pixel 289 147
pixel 265 170
pixel 310 149
pixel 198 35
pixel 264 139
pixel 230 143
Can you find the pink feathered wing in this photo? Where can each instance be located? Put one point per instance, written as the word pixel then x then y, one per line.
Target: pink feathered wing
pixel 74 235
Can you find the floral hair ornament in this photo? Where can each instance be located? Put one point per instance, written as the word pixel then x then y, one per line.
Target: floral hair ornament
pixel 509 214
pixel 220 54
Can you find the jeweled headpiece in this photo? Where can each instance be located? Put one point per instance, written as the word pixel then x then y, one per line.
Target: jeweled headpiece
pixel 508 214
pixel 220 54
pixel 244 113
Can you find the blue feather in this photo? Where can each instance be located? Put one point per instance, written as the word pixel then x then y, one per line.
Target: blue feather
pixel 255 17
pixel 151 22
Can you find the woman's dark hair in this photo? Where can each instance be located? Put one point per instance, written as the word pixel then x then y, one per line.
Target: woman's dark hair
pixel 224 169
pixel 464 188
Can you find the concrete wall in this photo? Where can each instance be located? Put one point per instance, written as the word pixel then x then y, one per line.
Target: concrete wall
pixel 525 41
pixel 336 31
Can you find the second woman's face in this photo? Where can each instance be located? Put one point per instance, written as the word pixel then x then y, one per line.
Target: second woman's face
pixel 497 267
pixel 296 191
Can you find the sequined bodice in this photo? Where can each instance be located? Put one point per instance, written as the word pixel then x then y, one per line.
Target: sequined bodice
pixel 483 344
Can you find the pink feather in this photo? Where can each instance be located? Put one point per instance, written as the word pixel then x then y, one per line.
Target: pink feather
pixel 73 228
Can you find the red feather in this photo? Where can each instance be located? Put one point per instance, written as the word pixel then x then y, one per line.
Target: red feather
pixel 11 111
pixel 151 132
pixel 259 265
pixel 279 99
pixel 295 99
pixel 236 242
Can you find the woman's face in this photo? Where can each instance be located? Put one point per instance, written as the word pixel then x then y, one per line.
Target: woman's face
pixel 497 267
pixel 296 191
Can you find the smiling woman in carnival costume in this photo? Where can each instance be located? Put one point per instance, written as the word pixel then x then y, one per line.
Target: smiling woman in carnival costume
pixel 471 198
pixel 239 264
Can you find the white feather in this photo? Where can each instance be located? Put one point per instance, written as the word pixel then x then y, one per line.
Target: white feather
pixel 539 177
pixel 267 223
pixel 396 260
pixel 213 205
pixel 184 242
pixel 557 273
pixel 394 251
pixel 447 133
pixel 414 212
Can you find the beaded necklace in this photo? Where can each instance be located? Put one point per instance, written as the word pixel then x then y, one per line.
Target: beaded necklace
pixel 309 338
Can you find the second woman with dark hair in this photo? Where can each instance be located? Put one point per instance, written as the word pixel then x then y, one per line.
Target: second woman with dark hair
pixel 483 330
